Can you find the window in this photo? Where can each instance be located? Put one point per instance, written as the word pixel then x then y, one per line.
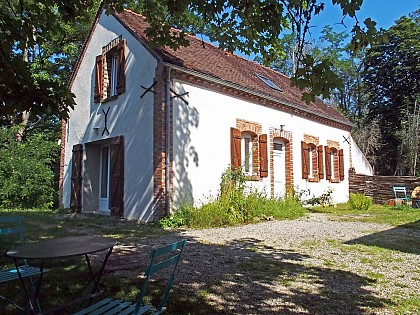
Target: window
pixel 269 82
pixel 112 74
pixel 249 152
pixel 312 162
pixel 110 71
pixel 334 164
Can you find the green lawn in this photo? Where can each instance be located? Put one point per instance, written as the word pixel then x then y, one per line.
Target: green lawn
pixel 395 216
pixel 66 276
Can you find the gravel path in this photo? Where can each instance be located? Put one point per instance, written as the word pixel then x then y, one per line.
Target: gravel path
pixel 313 265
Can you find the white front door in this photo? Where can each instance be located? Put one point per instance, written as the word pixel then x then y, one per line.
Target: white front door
pixel 104 179
pixel 279 169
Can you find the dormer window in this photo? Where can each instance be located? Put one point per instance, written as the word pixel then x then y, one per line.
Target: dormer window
pixel 269 82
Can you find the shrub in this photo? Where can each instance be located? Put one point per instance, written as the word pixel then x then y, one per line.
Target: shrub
pixel 26 175
pixel 181 217
pixel 359 201
pixel 235 204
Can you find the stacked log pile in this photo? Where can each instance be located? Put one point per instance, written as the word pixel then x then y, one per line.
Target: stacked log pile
pixel 379 188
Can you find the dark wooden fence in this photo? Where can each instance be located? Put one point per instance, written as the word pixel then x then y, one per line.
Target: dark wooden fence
pixel 380 187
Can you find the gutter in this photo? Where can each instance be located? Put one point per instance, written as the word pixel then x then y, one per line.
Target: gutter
pixel 253 92
pixel 167 140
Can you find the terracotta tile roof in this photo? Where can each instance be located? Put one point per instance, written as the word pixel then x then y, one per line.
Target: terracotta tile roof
pixel 207 59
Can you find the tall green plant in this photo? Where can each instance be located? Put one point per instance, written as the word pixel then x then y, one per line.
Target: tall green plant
pixel 26 175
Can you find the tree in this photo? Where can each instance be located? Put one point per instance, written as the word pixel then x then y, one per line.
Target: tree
pixel 390 76
pixel 40 40
pixel 253 27
pixel 26 169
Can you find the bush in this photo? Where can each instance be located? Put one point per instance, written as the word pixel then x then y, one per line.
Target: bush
pixel 181 217
pixel 359 202
pixel 235 204
pixel 26 175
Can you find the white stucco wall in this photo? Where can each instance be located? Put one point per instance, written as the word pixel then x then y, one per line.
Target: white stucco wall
pixel 360 163
pixel 202 142
pixel 129 115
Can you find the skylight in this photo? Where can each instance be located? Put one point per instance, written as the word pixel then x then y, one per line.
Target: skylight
pixel 268 82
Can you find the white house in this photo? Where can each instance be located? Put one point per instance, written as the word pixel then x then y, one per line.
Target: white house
pixel 154 127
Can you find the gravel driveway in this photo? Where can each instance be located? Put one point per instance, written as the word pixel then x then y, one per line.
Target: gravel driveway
pixel 317 264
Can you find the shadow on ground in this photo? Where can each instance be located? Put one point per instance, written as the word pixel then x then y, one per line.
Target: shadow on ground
pixel 247 277
pixel 404 238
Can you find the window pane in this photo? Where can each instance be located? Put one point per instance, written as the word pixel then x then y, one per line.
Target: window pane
pixel 310 162
pixel 247 154
pixel 104 172
pixel 114 71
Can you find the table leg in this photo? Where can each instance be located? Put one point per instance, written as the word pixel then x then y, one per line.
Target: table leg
pixel 35 290
pixel 96 277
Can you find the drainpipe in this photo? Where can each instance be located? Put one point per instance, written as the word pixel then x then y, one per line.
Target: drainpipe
pixel 167 142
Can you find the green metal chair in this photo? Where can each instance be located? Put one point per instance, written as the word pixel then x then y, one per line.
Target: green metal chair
pixel 161 258
pixel 14 226
pixel 400 194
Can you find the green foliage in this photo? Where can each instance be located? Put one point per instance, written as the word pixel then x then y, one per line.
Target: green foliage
pixel 306 198
pixel 40 41
pixel 359 202
pixel 253 28
pixel 392 87
pixel 235 204
pixel 26 175
pixel 181 217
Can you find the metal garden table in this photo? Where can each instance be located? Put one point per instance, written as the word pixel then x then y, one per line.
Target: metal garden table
pixel 59 248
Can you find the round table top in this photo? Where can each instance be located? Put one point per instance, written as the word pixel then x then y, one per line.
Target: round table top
pixel 62 247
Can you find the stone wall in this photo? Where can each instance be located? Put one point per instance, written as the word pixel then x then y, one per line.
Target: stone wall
pixel 380 187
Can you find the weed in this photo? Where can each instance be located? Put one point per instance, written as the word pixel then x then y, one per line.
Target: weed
pixel 235 204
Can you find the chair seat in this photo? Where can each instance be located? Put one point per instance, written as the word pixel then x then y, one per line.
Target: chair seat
pixel 110 306
pixel 12 274
pixel 161 258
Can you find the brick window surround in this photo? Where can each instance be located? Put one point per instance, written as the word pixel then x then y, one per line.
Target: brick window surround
pixel 333 153
pixel 110 71
pixel 285 137
pixel 255 129
pixel 311 144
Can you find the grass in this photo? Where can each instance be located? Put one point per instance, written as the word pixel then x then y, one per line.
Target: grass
pixel 301 281
pixel 409 217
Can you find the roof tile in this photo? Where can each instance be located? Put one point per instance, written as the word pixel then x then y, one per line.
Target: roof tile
pixel 208 59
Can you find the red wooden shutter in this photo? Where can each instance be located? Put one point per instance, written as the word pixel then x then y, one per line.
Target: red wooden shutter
pixel 305 160
pixel 341 163
pixel 235 148
pixel 76 178
pixel 263 156
pixel 320 161
pixel 98 79
pixel 121 68
pixel 327 162
pixel 116 182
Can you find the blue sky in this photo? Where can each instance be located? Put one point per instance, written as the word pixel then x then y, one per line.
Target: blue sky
pixel 384 12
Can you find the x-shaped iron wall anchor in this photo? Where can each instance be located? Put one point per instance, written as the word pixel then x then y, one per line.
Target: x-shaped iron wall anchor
pixel 180 96
pixel 149 89
pixel 105 121
pixel 347 139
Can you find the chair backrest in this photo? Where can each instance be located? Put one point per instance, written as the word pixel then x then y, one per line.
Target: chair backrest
pixel 162 258
pixel 400 192
pixel 12 225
